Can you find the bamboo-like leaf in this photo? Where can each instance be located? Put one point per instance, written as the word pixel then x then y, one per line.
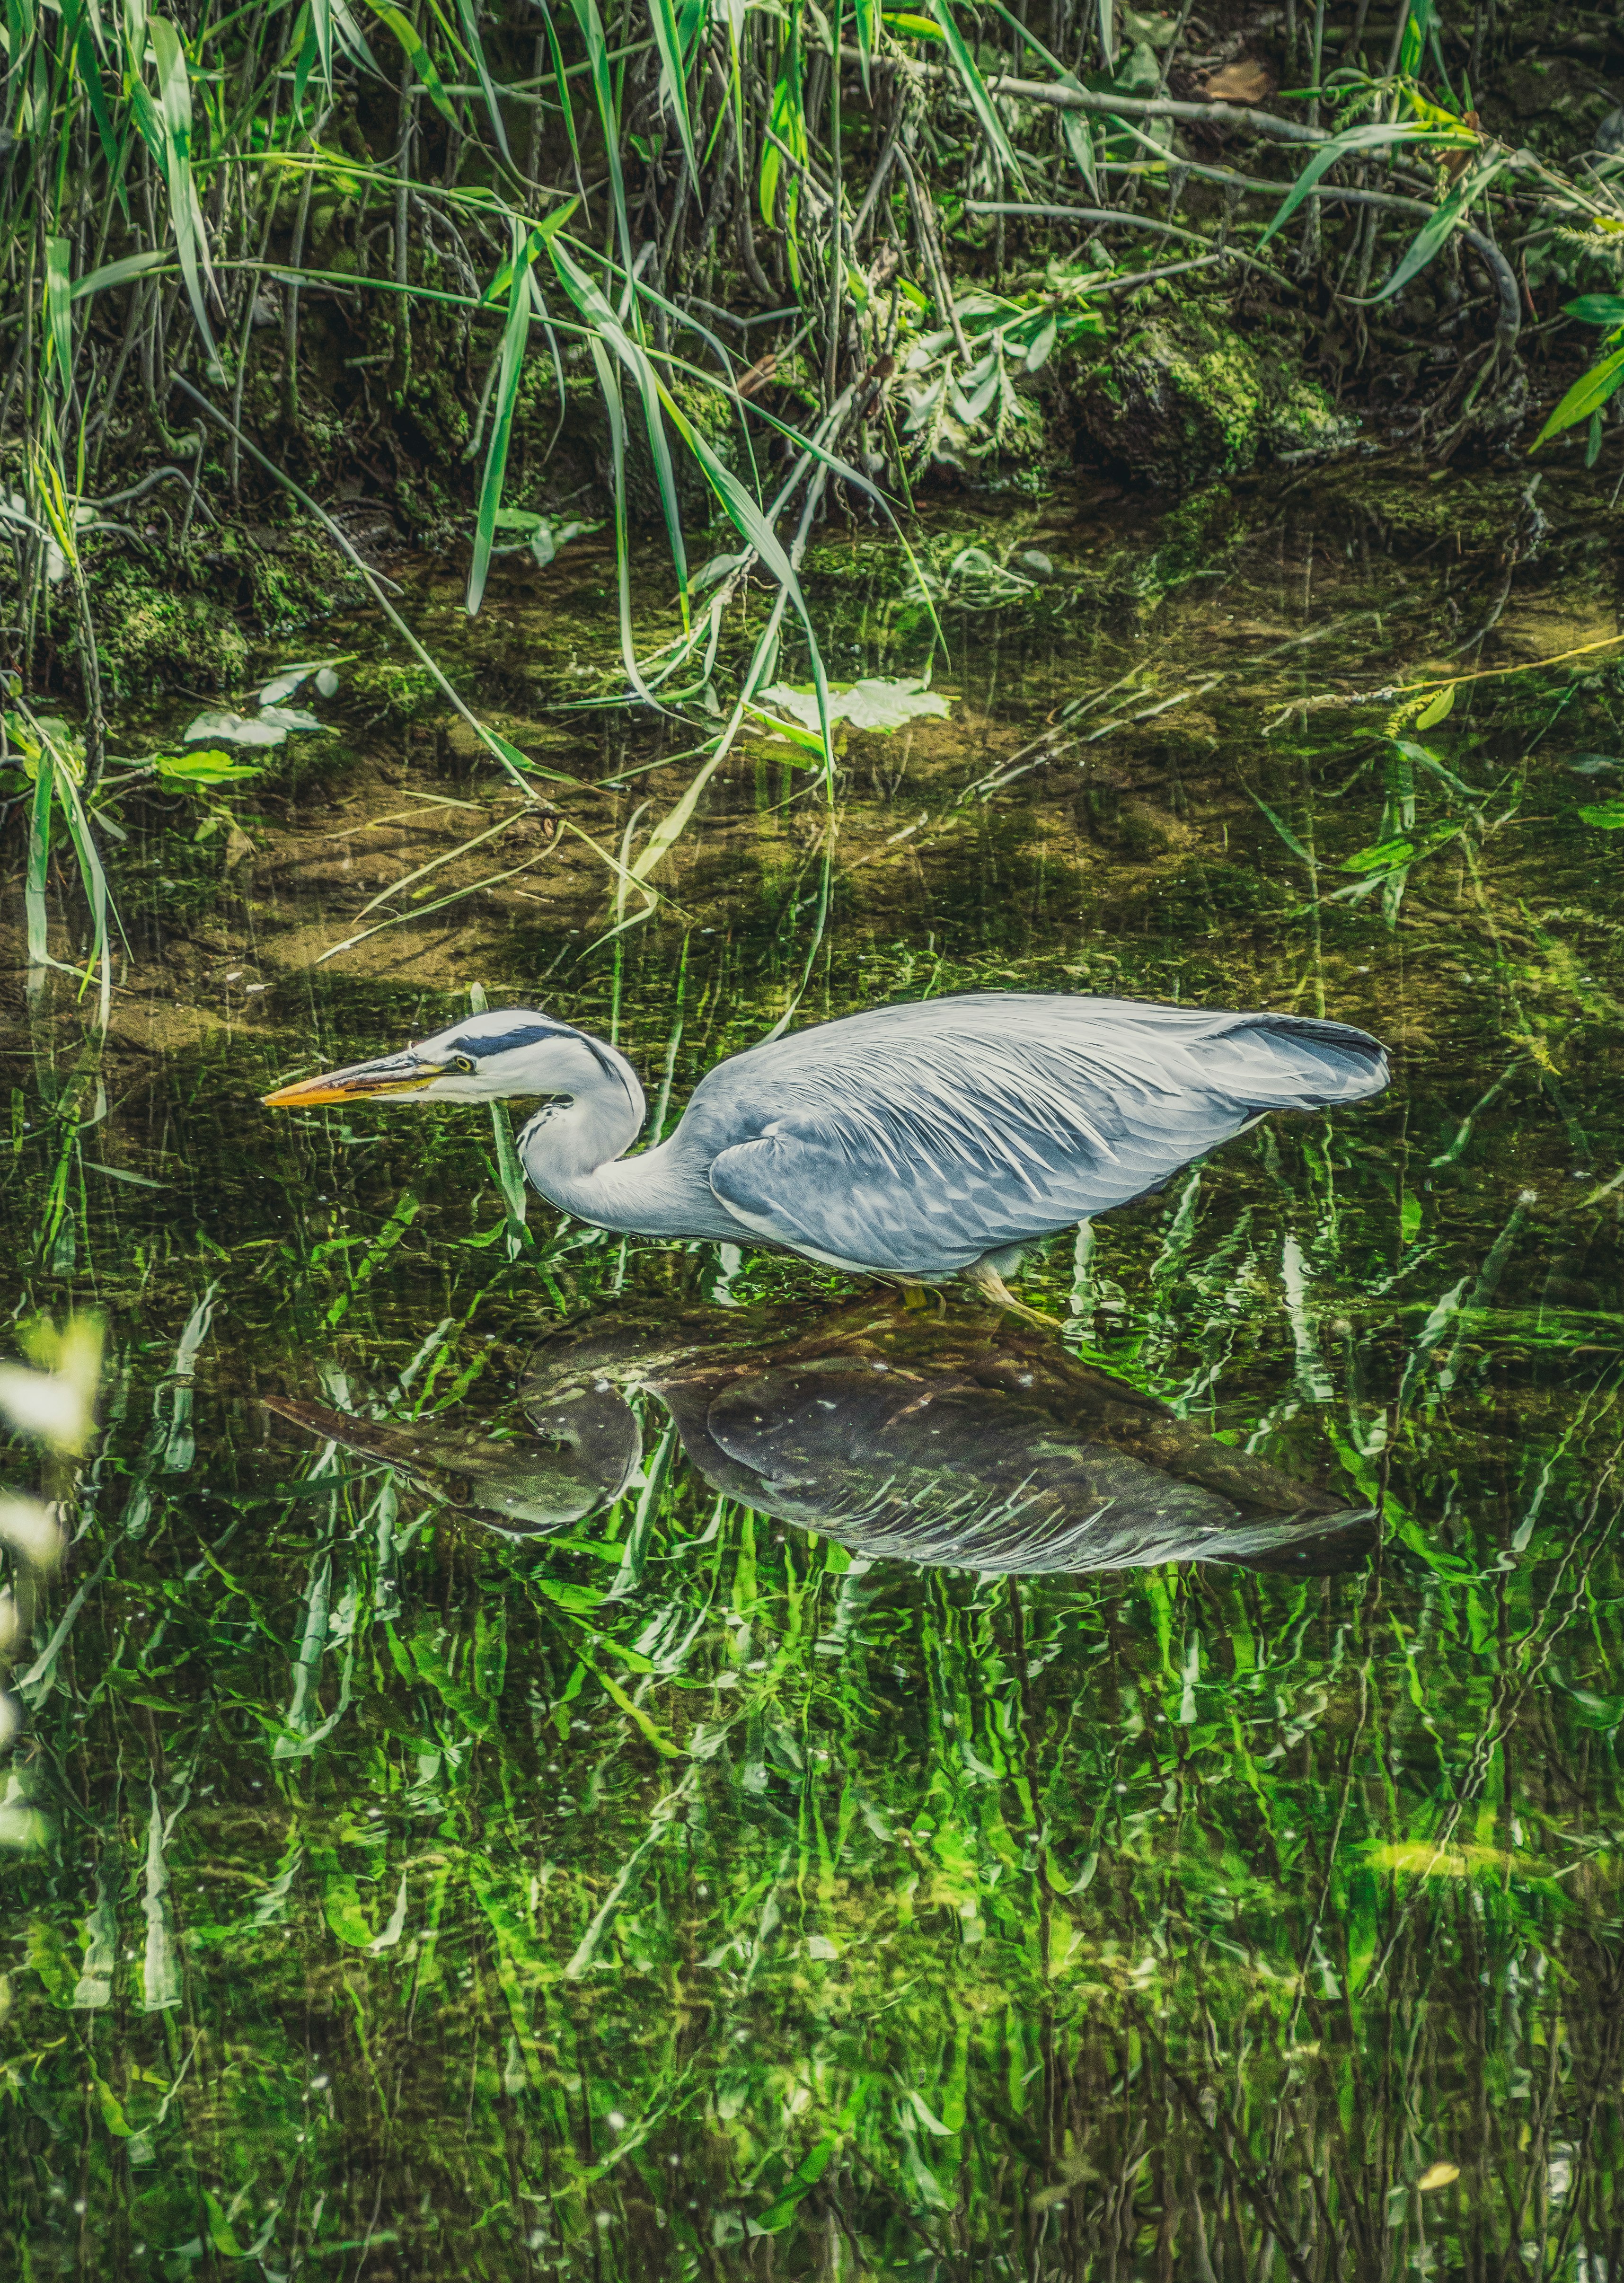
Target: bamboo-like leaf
pixel 597 310
pixel 87 60
pixel 1286 833
pixel 471 33
pixel 1372 136
pixel 118 273
pixel 58 316
pixel 1439 226
pixel 975 86
pixel 94 880
pixel 1586 396
pixel 352 39
pixel 515 333
pixel 171 145
pixel 866 14
pixel 1438 709
pixel 38 866
pixel 321 25
pixel 748 520
pixel 407 33
pixel 591 25
pixel 673 77
pixel 788 123
pixel 561 83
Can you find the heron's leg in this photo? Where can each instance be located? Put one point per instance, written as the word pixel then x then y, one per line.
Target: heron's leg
pixel 916 1294
pixel 987 1281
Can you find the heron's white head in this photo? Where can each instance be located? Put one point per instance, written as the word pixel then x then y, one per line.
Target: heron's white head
pixel 505 1053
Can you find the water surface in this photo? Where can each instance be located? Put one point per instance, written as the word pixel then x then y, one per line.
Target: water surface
pixel 684 1887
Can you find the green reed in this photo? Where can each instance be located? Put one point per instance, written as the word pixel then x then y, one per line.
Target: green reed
pixel 636 209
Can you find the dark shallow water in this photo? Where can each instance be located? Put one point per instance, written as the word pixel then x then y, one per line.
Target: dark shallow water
pixel 701 1887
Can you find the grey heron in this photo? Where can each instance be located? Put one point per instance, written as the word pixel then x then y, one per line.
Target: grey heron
pixel 915 1141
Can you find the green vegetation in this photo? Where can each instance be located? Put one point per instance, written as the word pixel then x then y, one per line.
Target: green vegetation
pixel 682 1898
pixel 682 1891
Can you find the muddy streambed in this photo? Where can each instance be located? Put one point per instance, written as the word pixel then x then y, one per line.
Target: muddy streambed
pixel 715 1882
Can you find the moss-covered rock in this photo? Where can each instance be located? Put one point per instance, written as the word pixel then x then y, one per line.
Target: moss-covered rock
pixel 1184 397
pixel 150 637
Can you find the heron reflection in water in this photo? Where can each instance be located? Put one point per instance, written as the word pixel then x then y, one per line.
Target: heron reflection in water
pixel 914 1142
pixel 938 1443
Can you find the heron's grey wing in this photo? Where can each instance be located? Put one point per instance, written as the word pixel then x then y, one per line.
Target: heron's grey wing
pixel 838 1198
pixel 923 1143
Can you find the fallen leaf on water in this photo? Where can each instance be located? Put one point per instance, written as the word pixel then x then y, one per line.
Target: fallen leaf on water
pixel 234 729
pixel 879 703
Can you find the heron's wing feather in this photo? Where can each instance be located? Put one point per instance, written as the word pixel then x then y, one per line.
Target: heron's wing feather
pixel 941 1131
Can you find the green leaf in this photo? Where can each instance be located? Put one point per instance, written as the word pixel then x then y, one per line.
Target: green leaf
pixel 1380 856
pixel 1370 137
pixel 975 87
pixel 1586 396
pixel 805 2176
pixel 913 28
pixel 1608 815
pixel 609 329
pixel 673 78
pixel 206 769
pixel 170 136
pixel 1437 709
pixel 58 319
pixel 406 32
pixel 1286 833
pixel 515 333
pixel 1597 308
pixel 471 35
pixel 1441 226
pixel 561 84
pixel 591 25
pixel 118 273
pixel 788 123
pixel 580 1601
pixel 341 1909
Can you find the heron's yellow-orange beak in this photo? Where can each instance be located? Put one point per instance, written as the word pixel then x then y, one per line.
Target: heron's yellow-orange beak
pixel 393 1074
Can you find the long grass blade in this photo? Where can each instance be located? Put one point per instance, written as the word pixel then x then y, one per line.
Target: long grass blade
pixel 515 333
pixel 476 49
pixel 673 78
pixel 58 312
pixel 168 132
pixel 1436 231
pixel 591 25
pixel 422 62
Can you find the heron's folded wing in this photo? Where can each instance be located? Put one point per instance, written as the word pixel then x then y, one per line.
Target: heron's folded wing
pixel 915 1145
pixel 863 1197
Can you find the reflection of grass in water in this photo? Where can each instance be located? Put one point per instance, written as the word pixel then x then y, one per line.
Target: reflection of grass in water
pixel 616 1897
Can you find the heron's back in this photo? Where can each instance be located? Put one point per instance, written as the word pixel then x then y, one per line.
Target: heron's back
pixel 923 1136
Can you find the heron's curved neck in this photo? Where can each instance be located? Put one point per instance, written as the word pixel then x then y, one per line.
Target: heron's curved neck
pixel 595 1122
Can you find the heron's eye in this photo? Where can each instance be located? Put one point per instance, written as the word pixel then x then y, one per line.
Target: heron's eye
pixel 463 1062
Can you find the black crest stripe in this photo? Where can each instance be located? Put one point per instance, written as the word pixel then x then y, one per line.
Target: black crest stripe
pixel 526 1036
